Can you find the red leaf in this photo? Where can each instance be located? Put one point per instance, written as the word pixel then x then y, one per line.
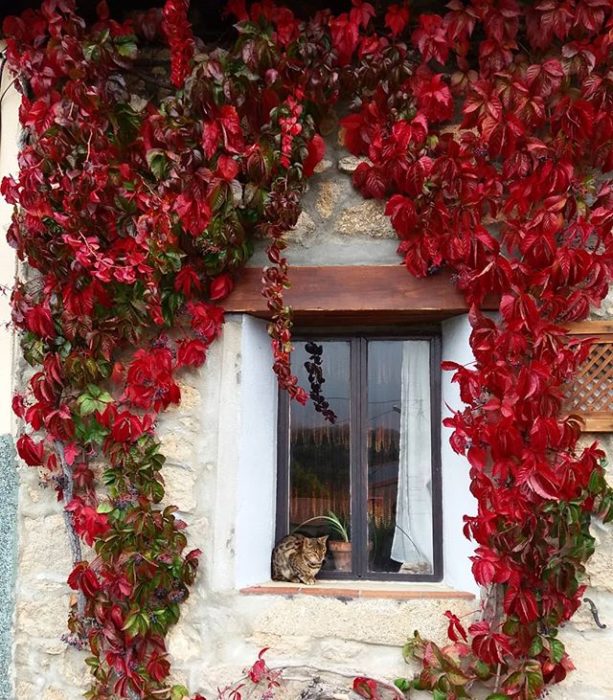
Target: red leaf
pixel 345 35
pixel 401 211
pixel 259 669
pixel 397 18
pixel 354 133
pixel 316 149
pixel 229 121
pixel 76 574
pixel 211 138
pixel 431 38
pixel 522 602
pixel 370 181
pixel 489 646
pixel 39 321
pixel 238 9
pixel 158 667
pixel 206 319
pixel 18 405
pixel 191 353
pixel 434 97
pixel 31 452
pixel 70 452
pixel 220 287
pixel 366 688
pixel 362 12
pixel 227 168
pixel 187 279
pixel 455 627
pixel 88 523
pixel 193 211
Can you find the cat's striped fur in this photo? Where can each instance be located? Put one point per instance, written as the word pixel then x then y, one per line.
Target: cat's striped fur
pixel 298 558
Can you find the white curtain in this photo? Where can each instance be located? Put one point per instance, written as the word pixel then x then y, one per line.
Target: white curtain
pixel 412 544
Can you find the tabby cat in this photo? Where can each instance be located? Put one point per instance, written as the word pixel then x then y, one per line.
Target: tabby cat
pixel 297 558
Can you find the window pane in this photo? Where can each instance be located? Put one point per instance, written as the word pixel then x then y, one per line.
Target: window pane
pixel 399 457
pixel 319 452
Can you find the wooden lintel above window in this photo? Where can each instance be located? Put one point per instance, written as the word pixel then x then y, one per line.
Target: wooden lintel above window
pixel 383 294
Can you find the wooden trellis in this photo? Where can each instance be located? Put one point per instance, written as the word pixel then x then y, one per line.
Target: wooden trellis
pixel 590 395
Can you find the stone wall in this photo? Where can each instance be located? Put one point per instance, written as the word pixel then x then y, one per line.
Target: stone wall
pixel 337 225
pixel 222 629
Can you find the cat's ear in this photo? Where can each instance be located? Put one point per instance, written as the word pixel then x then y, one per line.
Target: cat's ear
pixel 323 539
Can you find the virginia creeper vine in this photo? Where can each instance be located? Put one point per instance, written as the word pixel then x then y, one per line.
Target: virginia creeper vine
pixel 137 204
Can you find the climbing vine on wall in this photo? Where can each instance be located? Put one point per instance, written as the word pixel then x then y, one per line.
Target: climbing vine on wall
pixel 488 131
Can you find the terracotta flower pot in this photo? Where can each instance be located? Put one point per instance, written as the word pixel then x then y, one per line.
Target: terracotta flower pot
pixel 341 552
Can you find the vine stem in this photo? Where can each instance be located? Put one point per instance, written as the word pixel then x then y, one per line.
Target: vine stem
pixel 73 538
pixel 315 670
pixel 497 684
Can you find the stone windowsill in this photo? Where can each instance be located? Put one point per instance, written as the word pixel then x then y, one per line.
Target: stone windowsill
pixel 361 590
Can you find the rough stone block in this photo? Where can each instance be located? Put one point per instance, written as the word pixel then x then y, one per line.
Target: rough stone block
pixel 349 164
pixel 303 231
pixel 39 537
pixel 366 219
pixel 327 198
pixel 600 565
pixel 180 487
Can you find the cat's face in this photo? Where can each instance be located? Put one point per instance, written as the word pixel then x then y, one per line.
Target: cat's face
pixel 314 550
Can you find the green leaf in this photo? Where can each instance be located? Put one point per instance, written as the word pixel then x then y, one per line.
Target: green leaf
pixel 157 162
pixel 126 46
pixel 156 491
pixel 403 684
pixel 537 646
pixel 131 624
pixel 178 691
pixel 482 669
pixel 104 508
pixel 456 678
pixel 89 431
pixel 92 400
pixel 534 676
pixel 439 694
pixel 497 696
pixel 33 349
pixel 557 650
pixel 596 481
pixel 91 52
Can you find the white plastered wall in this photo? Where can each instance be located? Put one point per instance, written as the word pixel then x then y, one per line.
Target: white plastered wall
pixel 457 499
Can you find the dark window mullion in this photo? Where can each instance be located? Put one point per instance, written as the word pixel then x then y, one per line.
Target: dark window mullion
pixel 359 465
pixel 354 453
pixel 283 468
pixel 437 486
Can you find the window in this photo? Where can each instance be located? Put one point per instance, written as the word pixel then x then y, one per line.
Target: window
pixel 373 475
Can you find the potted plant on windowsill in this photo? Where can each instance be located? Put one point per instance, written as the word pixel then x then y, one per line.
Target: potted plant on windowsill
pixel 341 547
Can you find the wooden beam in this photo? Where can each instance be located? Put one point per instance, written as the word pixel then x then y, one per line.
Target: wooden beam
pixel 597 422
pixel 596 328
pixel 354 293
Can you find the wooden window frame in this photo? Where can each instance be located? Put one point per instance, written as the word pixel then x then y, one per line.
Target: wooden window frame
pixel 359 450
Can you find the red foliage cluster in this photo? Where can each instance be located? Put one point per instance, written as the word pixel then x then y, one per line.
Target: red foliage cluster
pixel 136 213
pixel 509 202
pixel 178 32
